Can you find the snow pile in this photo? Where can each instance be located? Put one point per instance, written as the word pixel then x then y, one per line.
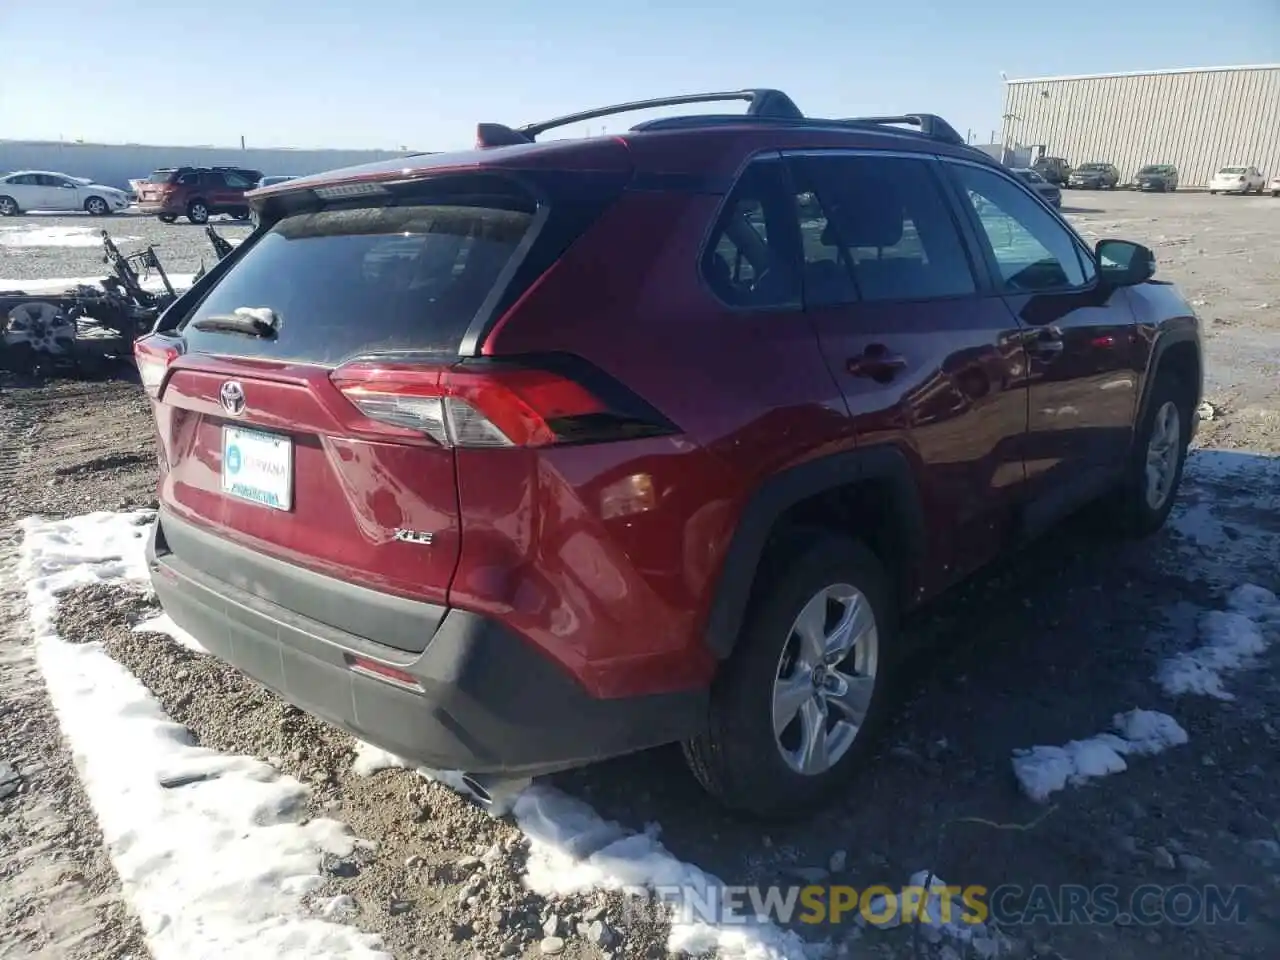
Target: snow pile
pixel 573 850
pixel 211 849
pixel 1042 771
pixel 941 913
pixel 1231 640
pixel 54 237
pixel 164 624
pixel 55 285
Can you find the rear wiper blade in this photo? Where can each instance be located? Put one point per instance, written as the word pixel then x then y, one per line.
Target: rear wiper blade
pixel 251 321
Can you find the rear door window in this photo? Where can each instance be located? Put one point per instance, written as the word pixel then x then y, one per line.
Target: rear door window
pixel 877 228
pixel 346 282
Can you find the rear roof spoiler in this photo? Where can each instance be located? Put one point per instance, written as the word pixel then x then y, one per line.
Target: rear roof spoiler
pixel 764 105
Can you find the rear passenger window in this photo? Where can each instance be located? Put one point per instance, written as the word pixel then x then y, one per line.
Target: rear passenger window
pixel 877 228
pixel 750 261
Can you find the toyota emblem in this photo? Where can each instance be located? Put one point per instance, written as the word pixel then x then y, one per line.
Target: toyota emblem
pixel 232 396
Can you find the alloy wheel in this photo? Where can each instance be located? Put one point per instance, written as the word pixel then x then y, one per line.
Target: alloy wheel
pixel 825 680
pixel 1162 454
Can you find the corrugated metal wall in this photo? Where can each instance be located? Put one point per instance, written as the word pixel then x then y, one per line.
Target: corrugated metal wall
pixel 1197 120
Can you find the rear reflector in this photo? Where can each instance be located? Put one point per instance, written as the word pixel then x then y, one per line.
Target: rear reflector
pixel 153 356
pixel 382 671
pixel 498 405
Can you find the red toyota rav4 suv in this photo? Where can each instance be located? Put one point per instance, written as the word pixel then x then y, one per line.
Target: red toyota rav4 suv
pixel 514 459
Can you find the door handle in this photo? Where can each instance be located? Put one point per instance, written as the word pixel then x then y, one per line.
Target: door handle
pixel 1047 343
pixel 877 363
pixel 1050 347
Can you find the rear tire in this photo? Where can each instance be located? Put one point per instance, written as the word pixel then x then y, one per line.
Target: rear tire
pixel 1142 505
pixel 198 212
pixel 9 207
pixel 838 696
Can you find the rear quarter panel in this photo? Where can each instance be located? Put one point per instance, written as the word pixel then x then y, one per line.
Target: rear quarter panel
pixel 612 580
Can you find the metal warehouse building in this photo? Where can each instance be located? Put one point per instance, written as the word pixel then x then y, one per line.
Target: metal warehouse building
pixel 1198 120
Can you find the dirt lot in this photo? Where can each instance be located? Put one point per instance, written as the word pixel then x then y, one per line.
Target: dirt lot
pixel 1044 649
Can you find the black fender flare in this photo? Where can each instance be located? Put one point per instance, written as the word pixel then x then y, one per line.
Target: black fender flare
pixel 1184 330
pixel 784 490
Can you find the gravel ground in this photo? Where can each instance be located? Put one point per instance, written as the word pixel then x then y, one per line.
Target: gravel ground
pixel 1043 649
pixel 181 246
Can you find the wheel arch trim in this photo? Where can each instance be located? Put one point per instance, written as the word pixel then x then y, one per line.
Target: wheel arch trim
pixel 784 490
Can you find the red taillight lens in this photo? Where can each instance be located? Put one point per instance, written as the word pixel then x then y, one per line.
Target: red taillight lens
pixel 153 357
pixel 497 406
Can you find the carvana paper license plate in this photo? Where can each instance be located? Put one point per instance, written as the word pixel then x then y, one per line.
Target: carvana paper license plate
pixel 258 466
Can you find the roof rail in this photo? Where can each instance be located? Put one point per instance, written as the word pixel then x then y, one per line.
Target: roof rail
pixel 930 125
pixel 763 102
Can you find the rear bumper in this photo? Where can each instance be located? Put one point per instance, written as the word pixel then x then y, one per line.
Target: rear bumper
pixel 484 701
pixel 153 207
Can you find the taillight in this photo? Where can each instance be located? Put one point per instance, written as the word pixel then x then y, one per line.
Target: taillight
pixel 153 357
pixel 496 404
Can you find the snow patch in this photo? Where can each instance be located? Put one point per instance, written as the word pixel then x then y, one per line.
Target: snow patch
pixel 211 849
pixel 54 285
pixel 54 237
pixel 1042 771
pixel 939 912
pixel 573 850
pixel 1231 640
pixel 163 623
pixel 370 759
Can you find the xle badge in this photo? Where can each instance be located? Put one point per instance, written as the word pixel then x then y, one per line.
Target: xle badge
pixel 414 536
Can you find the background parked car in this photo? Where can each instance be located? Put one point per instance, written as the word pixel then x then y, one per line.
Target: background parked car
pixel 1056 170
pixel 1160 177
pixel 197 192
pixel 1237 179
pixel 1094 176
pixel 1274 186
pixel 43 190
pixel 1051 194
pixel 272 181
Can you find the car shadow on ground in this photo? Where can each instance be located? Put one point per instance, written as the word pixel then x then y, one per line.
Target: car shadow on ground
pixel 1074 209
pixel 1045 647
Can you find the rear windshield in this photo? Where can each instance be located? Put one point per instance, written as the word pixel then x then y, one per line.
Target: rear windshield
pixel 163 176
pixel 345 282
pixel 1093 166
pixel 1232 170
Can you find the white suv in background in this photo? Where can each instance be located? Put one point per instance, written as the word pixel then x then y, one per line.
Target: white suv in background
pixel 43 190
pixel 1274 186
pixel 1240 179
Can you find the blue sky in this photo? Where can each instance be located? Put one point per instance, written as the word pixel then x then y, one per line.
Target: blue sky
pixel 316 73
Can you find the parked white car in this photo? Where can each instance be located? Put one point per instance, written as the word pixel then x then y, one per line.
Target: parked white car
pixel 1238 179
pixel 1274 186
pixel 45 190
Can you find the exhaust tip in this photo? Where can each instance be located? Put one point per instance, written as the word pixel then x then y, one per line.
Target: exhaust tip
pixel 482 795
pixel 496 795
